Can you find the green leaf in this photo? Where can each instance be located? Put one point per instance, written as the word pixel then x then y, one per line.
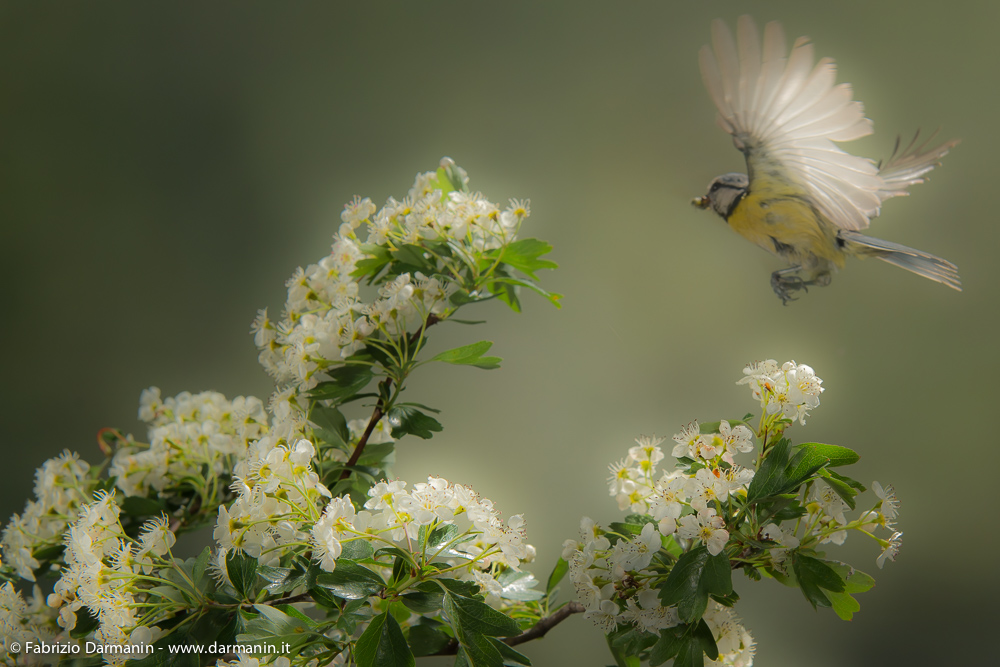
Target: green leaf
pixel 351 581
pixel 524 255
pixel 718 575
pixel 842 489
pixel 451 177
pixel 359 549
pixel 345 381
pixel 438 537
pixel 518 282
pixel 242 570
pixel 470 355
pixel 425 640
pixel 331 424
pixel 476 617
pixel 558 572
pixel 803 465
pixel 814 575
pixel 686 644
pixel 374 454
pixel 424 599
pixel 839 456
pixel 465 588
pixel 684 587
pixel 670 643
pixel 383 645
pixel 511 658
pixel 139 506
pixel 519 586
pixel 855 581
pixel 201 582
pixel 405 419
pixel 770 478
pixel 412 257
pixel 273 622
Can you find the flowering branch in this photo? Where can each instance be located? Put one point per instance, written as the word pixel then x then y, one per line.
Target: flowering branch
pixel 359 554
pixel 659 584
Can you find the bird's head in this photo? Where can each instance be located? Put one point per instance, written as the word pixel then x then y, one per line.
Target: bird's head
pixel 723 193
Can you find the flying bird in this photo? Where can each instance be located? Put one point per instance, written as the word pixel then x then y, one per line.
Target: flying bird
pixel 803 198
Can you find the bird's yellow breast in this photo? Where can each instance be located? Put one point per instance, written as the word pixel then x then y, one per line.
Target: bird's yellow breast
pixel 782 221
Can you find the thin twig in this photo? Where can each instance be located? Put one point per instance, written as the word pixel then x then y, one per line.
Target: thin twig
pixel 536 631
pixel 378 412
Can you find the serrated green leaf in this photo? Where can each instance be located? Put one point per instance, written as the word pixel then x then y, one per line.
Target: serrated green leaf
pixel 524 255
pixel 359 549
pixel 405 419
pixel 476 617
pixel 518 585
pixel 375 454
pixel 846 493
pixel 511 658
pixel 853 483
pixel 718 575
pixel 684 587
pixel 412 257
pixel 668 645
pixel 331 423
pixel 425 640
pixel 855 581
pixel 803 465
pixel 351 581
pixel 423 602
pixel 839 456
pixel 464 588
pixel 438 537
pixel 242 570
pixel 382 644
pixel 470 355
pixel 813 576
pixel 703 634
pixel 345 381
pixel 770 477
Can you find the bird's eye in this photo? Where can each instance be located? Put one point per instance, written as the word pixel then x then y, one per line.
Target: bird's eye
pixel 715 186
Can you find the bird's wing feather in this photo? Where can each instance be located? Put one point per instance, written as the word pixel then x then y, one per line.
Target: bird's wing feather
pixel 907 167
pixel 782 110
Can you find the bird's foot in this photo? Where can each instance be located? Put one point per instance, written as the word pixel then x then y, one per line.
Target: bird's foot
pixel 785 286
pixel 787 282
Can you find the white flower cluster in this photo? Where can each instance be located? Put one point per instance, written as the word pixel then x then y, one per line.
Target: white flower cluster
pixel 62 486
pixel 22 620
pixel 681 504
pixel 636 486
pixel 326 319
pixel 103 568
pixel 600 573
pixel 791 389
pixel 276 499
pixel 187 432
pixel 277 508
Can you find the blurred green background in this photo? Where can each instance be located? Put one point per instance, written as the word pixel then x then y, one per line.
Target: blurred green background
pixel 164 167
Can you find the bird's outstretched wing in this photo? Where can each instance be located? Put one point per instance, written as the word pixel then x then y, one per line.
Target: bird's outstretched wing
pixel 784 114
pixel 907 167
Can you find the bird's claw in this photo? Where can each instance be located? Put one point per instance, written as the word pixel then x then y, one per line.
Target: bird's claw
pixel 786 286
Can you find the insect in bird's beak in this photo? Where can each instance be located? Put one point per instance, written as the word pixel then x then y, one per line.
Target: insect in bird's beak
pixel 700 202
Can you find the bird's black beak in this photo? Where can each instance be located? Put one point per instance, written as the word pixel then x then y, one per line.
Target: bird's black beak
pixel 701 202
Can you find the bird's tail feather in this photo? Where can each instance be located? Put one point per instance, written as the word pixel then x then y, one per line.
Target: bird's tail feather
pixel 919 262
